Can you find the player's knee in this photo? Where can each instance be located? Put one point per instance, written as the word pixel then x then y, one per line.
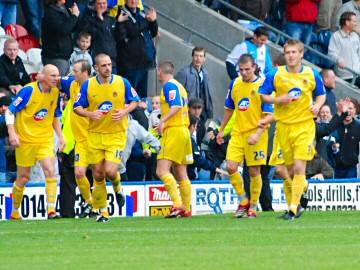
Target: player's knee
pixel 23 178
pixel 99 175
pixel 111 174
pixel 80 173
pixel 49 172
pixel 232 168
pixel 254 171
pixel 160 172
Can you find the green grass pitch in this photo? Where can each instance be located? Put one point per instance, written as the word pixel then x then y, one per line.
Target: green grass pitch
pixel 319 240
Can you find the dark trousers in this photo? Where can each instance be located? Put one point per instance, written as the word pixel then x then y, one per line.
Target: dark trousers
pixel 139 80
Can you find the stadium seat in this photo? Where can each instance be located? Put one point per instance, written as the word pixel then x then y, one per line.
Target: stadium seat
pixel 18 32
pixel 22 55
pixel 34 56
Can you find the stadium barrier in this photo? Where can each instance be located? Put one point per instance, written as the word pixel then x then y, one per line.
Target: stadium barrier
pixel 151 198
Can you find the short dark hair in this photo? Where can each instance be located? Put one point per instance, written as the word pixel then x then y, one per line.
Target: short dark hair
pixel 167 67
pixel 261 31
pixel 244 58
pixel 84 35
pixel 85 66
pixel 193 119
pixel 198 49
pixel 195 102
pixel 346 16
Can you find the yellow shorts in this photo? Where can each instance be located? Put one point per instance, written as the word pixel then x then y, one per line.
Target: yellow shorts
pixel 297 141
pixel 176 145
pixel 105 146
pixel 81 152
pixel 27 154
pixel 239 149
pixel 276 157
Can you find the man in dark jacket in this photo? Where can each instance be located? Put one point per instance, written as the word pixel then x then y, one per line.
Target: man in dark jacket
pixel 195 79
pixel 135 48
pixel 57 27
pixel 101 27
pixel 13 75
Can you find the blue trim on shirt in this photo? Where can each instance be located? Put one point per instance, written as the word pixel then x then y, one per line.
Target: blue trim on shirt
pixel 66 84
pixel 21 99
pixel 176 101
pixel 229 102
pixel 268 86
pixel 83 100
pixel 319 88
pixel 130 92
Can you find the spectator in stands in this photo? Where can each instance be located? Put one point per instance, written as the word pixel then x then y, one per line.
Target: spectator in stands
pixel 5 102
pixel 82 51
pixel 101 27
pixel 32 11
pixel 135 48
pixel 327 17
pixel 318 168
pixel 344 47
pixel 346 148
pixel 13 75
pixel 195 79
pixel 154 117
pixel 57 27
pixel 329 79
pixel 301 16
pixel 8 12
pixel 257 8
pixel 256 47
pixel 353 6
pixel 196 106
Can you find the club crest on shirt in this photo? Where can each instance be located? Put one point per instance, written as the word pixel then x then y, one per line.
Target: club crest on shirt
pixel 305 82
pixel 244 104
pixel 115 94
pixel 295 93
pixel 172 94
pixel 40 115
pixel 105 107
pixel 253 93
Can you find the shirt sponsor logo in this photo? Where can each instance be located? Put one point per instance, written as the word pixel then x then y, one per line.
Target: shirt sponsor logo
pixel 40 115
pixel 244 104
pixel 159 194
pixel 105 107
pixel 172 95
pixel 295 93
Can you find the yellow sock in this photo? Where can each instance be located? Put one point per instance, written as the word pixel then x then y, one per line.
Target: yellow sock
pixel 99 195
pixel 17 196
pixel 84 187
pixel 287 190
pixel 238 183
pixel 255 190
pixel 51 186
pixel 116 183
pixel 185 192
pixel 296 191
pixel 171 187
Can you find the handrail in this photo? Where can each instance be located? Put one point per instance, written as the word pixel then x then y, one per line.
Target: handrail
pixel 280 33
pixel 216 44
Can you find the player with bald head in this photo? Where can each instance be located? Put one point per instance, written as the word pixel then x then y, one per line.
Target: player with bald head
pixel 31 120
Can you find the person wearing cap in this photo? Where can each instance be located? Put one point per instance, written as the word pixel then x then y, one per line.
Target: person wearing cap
pixel 196 107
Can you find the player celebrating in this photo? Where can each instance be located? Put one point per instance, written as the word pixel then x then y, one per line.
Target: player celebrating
pixel 175 142
pixel 249 137
pixel 79 127
pixel 37 113
pixel 294 86
pixel 103 100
